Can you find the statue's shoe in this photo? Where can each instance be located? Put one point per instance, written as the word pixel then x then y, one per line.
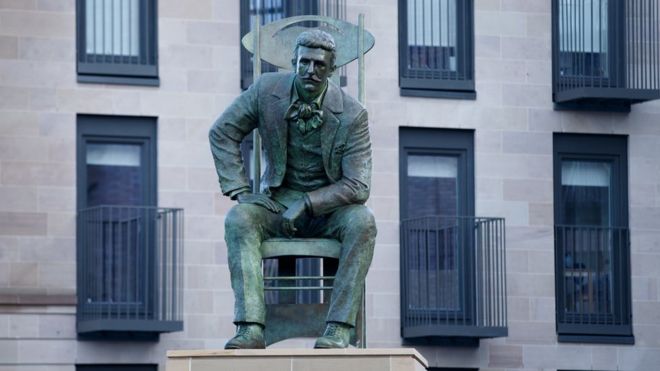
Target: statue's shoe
pixel 248 336
pixel 336 335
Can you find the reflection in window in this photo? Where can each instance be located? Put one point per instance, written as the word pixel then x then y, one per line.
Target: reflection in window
pixel 583 38
pixel 586 192
pixel 432 34
pixel 432 185
pixel 113 174
pixel 432 190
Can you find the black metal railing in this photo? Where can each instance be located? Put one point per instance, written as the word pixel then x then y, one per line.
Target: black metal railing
pixel 593 280
pixel 453 277
pixel 117 38
pixel 130 269
pixel 606 50
pixel 436 44
pixel 274 10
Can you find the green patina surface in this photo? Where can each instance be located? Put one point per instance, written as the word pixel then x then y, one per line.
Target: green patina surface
pixel 327 208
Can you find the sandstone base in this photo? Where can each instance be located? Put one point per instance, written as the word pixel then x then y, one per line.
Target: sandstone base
pixel 398 359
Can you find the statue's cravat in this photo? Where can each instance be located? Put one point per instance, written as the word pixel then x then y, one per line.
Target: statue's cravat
pixel 307 116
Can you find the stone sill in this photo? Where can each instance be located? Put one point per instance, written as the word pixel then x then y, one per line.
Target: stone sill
pixel 32 296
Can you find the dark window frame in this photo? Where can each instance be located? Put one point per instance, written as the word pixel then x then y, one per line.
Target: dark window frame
pixel 457 143
pixel 453 142
pixel 115 69
pixel 457 85
pixel 107 129
pixel 611 149
pixel 119 130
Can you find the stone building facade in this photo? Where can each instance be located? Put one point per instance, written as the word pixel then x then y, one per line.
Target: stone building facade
pixel 513 119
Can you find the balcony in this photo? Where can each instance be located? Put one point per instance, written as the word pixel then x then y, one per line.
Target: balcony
pixel 593 284
pixel 130 279
pixel 606 54
pixel 453 278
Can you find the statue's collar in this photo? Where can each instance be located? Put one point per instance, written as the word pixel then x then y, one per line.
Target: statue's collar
pixel 331 101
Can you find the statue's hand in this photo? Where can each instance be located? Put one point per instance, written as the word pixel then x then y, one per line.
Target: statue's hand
pixel 261 200
pixel 291 215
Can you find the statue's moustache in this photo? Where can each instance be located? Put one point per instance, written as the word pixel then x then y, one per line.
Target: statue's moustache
pixel 312 77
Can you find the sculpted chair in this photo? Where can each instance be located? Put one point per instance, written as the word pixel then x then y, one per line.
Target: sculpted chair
pixel 275 43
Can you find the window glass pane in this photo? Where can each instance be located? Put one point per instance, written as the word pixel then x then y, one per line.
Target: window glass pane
pixel 113 154
pixel 114 174
pixel 432 185
pixel 432 189
pixel 586 192
pixel 583 25
pixel 270 11
pixel 432 23
pixel 586 201
pixel 432 34
pixel 583 37
pixel 112 27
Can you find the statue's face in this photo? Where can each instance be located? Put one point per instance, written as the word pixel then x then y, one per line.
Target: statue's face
pixel 313 67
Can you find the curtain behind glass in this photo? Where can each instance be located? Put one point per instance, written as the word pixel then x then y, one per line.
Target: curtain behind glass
pixel 112 27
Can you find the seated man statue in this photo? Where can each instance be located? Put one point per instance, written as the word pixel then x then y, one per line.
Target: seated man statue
pixel 318 173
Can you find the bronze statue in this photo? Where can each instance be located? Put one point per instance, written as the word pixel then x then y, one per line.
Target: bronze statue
pixel 318 173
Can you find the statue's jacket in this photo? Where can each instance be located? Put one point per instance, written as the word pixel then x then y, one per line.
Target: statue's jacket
pixel 346 147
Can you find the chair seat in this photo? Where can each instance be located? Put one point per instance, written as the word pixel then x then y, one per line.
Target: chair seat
pixel 300 247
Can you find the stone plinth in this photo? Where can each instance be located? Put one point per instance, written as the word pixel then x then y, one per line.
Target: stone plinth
pixel 398 359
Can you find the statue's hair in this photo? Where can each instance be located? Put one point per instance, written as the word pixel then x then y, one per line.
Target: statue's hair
pixel 315 39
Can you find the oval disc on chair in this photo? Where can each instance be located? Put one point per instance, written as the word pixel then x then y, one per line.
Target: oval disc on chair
pixel 278 39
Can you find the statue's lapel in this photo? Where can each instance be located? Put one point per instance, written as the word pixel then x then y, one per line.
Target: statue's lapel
pixel 277 133
pixel 332 105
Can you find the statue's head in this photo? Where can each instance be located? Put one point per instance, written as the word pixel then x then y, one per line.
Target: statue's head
pixel 313 60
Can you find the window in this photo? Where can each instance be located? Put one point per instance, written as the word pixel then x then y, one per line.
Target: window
pixel 116 161
pixel 128 266
pixel 274 10
pixel 436 48
pixel 117 41
pixel 592 253
pixel 443 244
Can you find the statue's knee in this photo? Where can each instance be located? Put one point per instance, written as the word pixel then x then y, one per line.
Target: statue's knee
pixel 241 218
pixel 362 221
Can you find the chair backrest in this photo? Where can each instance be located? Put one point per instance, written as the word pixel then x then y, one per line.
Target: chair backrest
pixel 277 39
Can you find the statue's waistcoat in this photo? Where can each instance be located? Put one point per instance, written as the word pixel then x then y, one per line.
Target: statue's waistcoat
pixel 304 169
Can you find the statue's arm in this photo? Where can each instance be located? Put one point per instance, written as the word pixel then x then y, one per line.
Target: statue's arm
pixel 353 187
pixel 225 137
